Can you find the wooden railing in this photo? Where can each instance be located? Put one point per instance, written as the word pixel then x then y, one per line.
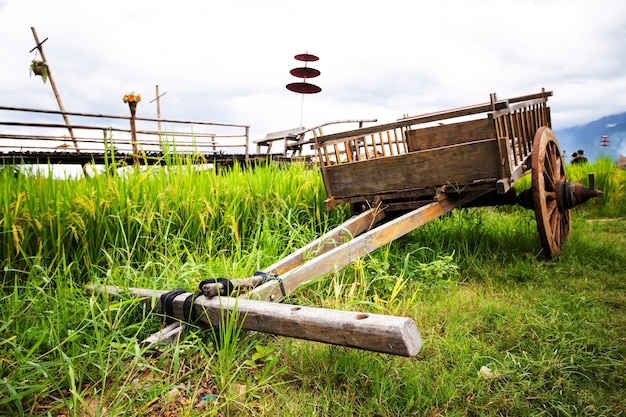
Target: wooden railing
pixel 31 130
pixel 517 125
pixel 515 118
pixel 295 140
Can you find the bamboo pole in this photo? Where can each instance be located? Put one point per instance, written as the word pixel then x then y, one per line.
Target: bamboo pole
pixel 158 103
pixel 54 89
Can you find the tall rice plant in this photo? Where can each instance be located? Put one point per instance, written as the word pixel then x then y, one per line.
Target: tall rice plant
pixel 609 179
pixel 172 211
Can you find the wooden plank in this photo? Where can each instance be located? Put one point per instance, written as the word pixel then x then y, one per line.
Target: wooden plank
pixel 348 230
pixel 350 251
pixel 411 199
pixel 456 164
pixel 273 136
pixel 450 134
pixel 374 332
pixel 519 106
pixel 431 117
pixel 506 153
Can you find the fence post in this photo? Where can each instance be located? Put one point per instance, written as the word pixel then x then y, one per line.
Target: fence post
pixel 132 99
pixel 247 157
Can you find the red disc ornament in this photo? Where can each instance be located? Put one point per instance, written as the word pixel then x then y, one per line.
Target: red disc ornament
pixel 604 141
pixel 306 57
pixel 303 88
pixel 304 73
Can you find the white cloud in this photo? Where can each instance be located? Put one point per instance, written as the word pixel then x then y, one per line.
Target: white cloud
pixel 229 61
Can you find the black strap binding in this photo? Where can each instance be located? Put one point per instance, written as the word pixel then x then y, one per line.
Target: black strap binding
pixel 228 285
pixel 272 277
pixel 167 308
pixel 189 314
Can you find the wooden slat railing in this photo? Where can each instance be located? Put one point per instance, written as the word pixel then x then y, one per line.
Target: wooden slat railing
pixel 32 130
pixel 518 114
pixel 518 125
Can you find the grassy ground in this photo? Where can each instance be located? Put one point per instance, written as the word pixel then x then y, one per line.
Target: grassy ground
pixel 505 332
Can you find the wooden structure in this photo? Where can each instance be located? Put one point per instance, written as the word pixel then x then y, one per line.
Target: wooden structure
pixel 397 177
pixel 254 307
pixel 294 140
pixel 39 48
pixel 36 136
pixel 476 152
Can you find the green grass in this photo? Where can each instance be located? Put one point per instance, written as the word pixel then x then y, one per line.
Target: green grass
pixel 475 281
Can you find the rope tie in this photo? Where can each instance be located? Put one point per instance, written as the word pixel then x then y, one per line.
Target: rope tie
pixel 226 283
pixel 272 277
pixel 189 313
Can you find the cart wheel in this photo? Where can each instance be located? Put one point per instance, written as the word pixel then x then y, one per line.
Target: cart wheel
pixel 548 173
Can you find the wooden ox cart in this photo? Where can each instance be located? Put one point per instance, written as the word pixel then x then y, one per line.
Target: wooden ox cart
pixel 396 177
pixel 468 156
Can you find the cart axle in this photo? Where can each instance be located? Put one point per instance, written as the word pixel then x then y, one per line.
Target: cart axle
pixel 570 195
pixel 567 194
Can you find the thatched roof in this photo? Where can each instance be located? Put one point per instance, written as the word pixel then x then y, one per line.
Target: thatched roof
pixel 621 163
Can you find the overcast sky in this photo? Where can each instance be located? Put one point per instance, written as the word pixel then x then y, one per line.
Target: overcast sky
pixel 229 61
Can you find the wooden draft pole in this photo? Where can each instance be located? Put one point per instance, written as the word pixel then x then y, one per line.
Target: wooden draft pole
pixel 347 252
pixel 54 88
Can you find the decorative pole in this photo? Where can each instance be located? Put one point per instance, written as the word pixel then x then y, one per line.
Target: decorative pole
pixel 304 73
pixel 604 142
pixel 132 99
pixel 54 88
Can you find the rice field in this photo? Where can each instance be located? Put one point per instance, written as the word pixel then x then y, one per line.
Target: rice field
pixel 505 332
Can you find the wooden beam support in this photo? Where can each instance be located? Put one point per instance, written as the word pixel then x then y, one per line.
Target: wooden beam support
pixel 373 332
pixel 348 230
pixel 341 256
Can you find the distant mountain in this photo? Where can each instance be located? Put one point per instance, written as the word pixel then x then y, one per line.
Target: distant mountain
pixel 587 137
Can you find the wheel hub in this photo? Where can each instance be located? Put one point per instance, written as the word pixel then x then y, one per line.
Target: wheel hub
pixel 570 195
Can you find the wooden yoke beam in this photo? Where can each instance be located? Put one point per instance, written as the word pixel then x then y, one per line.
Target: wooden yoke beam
pixel 374 332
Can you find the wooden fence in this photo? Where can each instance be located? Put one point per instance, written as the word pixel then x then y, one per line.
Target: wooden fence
pixel 27 132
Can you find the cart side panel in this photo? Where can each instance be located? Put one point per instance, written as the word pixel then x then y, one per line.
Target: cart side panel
pixel 516 127
pixel 450 134
pixel 456 164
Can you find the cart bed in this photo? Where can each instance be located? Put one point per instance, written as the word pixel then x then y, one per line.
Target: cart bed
pixel 486 145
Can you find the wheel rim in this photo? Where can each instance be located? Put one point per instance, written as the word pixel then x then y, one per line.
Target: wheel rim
pixel 548 174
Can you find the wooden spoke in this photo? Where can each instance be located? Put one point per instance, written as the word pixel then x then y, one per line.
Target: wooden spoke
pixel 548 173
